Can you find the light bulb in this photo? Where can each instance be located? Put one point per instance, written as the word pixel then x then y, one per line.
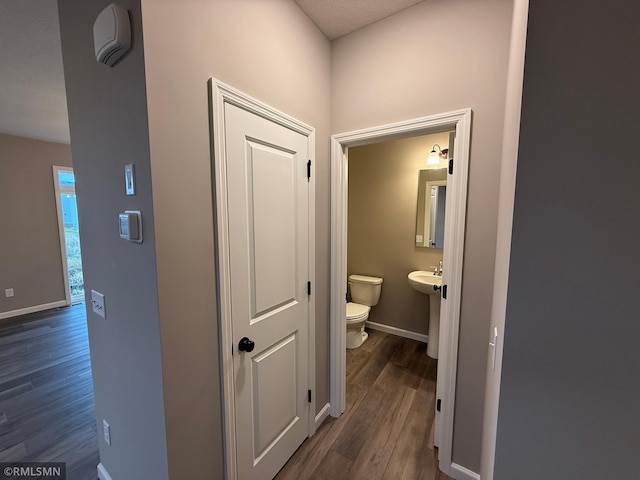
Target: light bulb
pixel 433 158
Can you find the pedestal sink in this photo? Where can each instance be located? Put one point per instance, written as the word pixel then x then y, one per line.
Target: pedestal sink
pixel 424 282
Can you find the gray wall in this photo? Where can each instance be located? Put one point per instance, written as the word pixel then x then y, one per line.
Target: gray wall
pixel 571 368
pixel 108 124
pixel 30 259
pixel 438 56
pixel 383 198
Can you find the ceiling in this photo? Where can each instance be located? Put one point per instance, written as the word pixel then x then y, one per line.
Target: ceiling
pixel 339 17
pixel 32 94
pixel 33 102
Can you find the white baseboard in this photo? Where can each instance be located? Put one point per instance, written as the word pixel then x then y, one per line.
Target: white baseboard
pixel 322 415
pixel 102 473
pixel 36 308
pixel 460 473
pixel 421 337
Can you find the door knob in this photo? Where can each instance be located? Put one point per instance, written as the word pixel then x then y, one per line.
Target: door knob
pixel 437 287
pixel 246 345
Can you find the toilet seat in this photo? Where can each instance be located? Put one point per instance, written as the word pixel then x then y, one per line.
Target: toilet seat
pixel 356 313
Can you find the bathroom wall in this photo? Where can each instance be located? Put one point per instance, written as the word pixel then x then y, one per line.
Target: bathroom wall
pixel 438 56
pixel 30 258
pixel 383 199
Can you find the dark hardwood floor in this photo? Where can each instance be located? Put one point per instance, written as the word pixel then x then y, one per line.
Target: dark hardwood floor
pixel 386 431
pixel 47 412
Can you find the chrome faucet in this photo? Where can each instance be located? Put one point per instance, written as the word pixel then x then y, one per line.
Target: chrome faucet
pixel 437 270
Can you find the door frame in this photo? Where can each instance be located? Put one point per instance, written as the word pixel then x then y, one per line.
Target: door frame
pixel 63 243
pixel 506 203
pixel 460 121
pixel 219 95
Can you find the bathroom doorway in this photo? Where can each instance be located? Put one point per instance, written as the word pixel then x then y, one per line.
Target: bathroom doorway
pixel 394 195
pixel 458 122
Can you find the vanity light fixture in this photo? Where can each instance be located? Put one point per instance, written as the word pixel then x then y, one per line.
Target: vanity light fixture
pixel 434 157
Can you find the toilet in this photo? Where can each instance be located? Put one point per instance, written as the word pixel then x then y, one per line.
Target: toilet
pixel 365 293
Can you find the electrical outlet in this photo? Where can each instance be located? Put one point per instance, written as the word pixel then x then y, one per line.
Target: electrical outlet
pixel 97 303
pixel 106 429
pixel 8 292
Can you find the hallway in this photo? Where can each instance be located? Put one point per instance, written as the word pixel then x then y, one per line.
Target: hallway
pixel 386 431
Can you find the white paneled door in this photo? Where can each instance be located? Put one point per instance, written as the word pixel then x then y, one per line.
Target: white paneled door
pixel 268 216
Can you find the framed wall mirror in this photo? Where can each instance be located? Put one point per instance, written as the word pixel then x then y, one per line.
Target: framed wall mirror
pixel 432 201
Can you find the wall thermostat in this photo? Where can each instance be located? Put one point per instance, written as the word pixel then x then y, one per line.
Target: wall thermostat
pixel 131 226
pixel 112 34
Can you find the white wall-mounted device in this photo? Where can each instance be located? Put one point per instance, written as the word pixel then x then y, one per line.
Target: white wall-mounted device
pixel 131 225
pixel 112 34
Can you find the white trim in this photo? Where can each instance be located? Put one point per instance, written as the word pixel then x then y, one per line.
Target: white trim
pixel 219 94
pixel 312 277
pixel 322 415
pixel 460 473
pixel 63 243
pixel 459 120
pixel 506 198
pixel 102 473
pixel 338 279
pixel 35 308
pixel 400 332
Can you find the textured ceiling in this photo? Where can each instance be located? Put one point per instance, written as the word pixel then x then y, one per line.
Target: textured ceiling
pixel 33 102
pixel 32 93
pixel 339 17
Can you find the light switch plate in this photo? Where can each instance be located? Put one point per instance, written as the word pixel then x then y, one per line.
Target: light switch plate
pixel 97 303
pixel 106 429
pixel 8 292
pixel 130 179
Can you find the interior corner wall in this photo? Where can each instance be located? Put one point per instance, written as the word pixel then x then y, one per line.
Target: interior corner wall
pixel 30 257
pixel 108 125
pixel 273 52
pixel 438 56
pixel 570 386
pixel 378 173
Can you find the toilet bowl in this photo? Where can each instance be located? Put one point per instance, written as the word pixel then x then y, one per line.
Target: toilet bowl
pixel 365 293
pixel 356 317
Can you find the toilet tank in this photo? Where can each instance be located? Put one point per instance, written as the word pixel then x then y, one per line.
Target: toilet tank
pixel 365 290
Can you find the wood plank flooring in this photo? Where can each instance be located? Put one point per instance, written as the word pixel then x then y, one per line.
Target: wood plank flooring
pixel 386 431
pixel 47 411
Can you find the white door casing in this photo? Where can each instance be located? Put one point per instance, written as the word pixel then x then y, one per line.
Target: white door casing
pixel 510 140
pixel 460 121
pixel 63 249
pixel 265 251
